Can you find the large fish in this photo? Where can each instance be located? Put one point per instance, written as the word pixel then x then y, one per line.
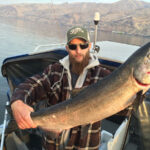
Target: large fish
pixel 102 99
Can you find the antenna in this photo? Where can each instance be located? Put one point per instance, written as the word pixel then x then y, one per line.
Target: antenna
pixel 96 21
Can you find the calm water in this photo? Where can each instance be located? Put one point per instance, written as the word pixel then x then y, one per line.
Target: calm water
pixel 18 37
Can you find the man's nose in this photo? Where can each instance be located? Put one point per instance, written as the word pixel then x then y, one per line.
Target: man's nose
pixel 78 49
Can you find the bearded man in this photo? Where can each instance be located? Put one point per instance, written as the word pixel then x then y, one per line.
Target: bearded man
pixel 58 81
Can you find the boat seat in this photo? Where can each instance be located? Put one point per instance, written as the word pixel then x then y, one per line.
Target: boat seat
pixel 110 142
pixel 13 142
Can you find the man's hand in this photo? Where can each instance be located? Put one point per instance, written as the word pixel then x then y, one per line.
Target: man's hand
pixel 21 113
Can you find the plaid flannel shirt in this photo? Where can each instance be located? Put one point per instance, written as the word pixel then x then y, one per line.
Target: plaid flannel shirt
pixel 54 86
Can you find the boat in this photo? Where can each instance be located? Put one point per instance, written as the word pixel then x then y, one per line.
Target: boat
pixel 119 132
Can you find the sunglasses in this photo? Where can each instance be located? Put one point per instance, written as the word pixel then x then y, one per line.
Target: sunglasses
pixel 74 46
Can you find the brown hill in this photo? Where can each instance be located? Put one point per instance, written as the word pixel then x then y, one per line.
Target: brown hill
pixel 125 16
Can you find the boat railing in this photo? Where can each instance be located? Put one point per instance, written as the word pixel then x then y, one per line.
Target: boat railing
pixel 47 47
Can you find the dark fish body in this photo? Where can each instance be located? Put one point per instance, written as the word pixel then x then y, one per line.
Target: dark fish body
pixel 102 99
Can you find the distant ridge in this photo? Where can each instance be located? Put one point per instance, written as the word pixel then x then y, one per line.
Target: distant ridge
pixel 124 16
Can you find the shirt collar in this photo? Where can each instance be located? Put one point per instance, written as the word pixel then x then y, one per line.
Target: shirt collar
pixel 92 62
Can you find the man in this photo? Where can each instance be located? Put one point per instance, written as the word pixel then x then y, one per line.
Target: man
pixel 58 81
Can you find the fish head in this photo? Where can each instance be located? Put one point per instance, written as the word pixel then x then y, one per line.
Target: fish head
pixel 141 67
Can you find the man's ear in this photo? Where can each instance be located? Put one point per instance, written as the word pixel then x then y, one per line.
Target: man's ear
pixel 90 45
pixel 67 48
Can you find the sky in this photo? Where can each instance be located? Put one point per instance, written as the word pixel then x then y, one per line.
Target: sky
pixel 57 1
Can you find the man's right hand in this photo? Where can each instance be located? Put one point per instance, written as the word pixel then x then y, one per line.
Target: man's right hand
pixel 21 113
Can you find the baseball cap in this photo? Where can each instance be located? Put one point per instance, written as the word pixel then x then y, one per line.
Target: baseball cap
pixel 78 32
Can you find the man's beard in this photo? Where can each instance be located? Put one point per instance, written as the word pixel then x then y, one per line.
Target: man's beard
pixel 77 67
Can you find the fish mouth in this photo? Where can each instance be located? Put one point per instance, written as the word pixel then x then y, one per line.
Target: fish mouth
pixel 142 84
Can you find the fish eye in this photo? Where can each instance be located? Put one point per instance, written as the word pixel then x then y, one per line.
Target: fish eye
pixel 148 55
pixel 147 59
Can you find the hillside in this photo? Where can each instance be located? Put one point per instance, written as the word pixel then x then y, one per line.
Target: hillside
pixel 125 16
